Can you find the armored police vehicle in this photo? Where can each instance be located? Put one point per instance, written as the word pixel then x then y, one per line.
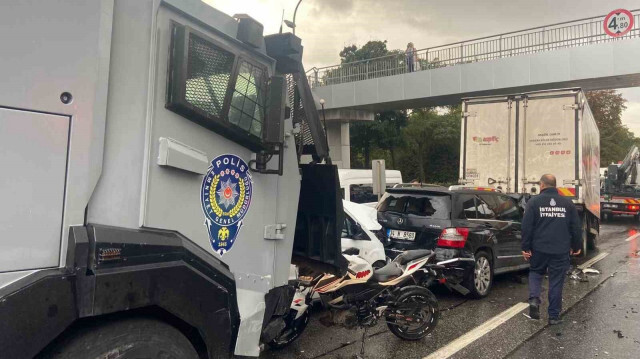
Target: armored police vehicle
pixel 152 198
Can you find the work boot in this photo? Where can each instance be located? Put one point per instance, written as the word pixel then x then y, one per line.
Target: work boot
pixel 555 321
pixel 534 309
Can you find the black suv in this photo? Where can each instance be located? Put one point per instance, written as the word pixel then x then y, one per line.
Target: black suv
pixel 476 233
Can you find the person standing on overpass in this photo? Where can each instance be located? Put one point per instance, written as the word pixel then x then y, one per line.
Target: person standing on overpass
pixel 411 57
pixel 550 233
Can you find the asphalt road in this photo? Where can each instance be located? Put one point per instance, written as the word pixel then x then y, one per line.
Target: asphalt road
pixel 593 310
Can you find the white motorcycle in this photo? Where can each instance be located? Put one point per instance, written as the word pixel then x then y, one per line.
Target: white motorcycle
pixel 364 295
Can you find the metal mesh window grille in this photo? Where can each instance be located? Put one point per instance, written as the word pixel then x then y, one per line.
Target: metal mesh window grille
pixel 248 99
pixel 304 140
pixel 211 84
pixel 208 74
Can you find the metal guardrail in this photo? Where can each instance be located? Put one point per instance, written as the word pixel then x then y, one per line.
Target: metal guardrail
pixel 544 38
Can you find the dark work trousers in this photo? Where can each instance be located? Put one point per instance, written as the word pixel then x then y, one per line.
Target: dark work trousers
pixel 410 64
pixel 557 264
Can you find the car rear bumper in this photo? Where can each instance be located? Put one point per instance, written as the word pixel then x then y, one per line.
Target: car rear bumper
pixel 458 263
pixel 465 262
pixel 617 212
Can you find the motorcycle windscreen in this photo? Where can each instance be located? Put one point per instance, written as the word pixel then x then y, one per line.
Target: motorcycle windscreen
pixel 316 246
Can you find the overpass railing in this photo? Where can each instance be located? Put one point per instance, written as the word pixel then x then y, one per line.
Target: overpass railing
pixel 550 37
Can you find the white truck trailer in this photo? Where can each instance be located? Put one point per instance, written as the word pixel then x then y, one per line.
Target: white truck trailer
pixel 151 196
pixel 509 142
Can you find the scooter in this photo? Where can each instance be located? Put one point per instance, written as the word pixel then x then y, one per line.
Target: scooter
pixel 363 296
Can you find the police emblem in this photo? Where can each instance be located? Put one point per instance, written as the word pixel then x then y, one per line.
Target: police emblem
pixel 225 196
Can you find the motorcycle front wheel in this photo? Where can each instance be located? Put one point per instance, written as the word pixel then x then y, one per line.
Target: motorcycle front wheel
pixel 292 331
pixel 415 315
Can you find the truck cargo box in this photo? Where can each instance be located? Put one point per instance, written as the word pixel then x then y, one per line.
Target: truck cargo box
pixel 509 142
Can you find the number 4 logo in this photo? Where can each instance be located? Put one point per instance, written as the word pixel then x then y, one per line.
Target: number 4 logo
pixel 618 22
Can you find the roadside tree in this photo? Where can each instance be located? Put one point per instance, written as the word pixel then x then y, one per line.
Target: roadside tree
pixel 615 138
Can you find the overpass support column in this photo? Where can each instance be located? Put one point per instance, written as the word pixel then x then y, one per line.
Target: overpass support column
pixel 345 142
pixel 338 121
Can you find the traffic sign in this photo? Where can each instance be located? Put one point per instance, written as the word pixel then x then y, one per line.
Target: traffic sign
pixel 618 22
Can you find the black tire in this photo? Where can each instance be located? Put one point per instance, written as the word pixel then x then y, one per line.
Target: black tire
pixel 122 339
pixel 592 242
pixel 429 313
pixel 476 282
pixel 292 331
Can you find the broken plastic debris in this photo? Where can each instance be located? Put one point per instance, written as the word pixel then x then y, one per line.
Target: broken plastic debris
pixel 590 271
pixel 578 275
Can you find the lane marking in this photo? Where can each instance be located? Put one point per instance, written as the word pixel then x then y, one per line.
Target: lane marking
pixel 477 333
pixel 632 237
pixel 593 260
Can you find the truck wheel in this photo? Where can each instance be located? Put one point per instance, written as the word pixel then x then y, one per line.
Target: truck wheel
pixel 592 242
pixel 480 280
pixel 130 338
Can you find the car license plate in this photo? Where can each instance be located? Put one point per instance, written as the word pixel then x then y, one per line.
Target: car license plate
pixel 406 235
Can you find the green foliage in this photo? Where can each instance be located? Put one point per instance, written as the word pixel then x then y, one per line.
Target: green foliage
pixel 370 50
pixel 382 135
pixel 432 146
pixel 423 146
pixel 615 138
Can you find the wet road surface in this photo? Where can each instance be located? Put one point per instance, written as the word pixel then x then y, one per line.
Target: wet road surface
pixel 592 311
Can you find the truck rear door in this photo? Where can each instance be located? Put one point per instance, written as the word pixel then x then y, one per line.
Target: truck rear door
pixel 488 153
pixel 549 141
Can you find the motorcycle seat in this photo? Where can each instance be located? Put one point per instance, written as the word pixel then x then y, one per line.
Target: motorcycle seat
pixel 387 273
pixel 408 256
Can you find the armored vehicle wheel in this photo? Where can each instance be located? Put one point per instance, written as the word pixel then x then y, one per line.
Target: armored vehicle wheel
pixel 129 338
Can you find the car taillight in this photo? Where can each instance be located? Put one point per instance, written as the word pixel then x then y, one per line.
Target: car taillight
pixel 633 207
pixel 453 237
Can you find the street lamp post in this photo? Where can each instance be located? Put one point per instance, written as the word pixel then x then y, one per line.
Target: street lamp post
pixel 292 24
pixel 294 16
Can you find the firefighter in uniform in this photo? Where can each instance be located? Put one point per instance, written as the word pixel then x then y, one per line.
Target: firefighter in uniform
pixel 550 234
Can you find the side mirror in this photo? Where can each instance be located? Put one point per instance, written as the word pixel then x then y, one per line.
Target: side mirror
pixel 354 228
pixel 353 251
pixel 273 130
pixel 273 127
pixel 361 236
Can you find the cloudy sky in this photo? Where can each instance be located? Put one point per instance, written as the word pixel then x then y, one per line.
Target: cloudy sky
pixel 326 26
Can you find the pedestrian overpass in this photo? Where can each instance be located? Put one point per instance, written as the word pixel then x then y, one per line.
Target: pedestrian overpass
pixel 578 53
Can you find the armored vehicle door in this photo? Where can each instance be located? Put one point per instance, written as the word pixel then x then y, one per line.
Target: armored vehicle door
pixel 33 158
